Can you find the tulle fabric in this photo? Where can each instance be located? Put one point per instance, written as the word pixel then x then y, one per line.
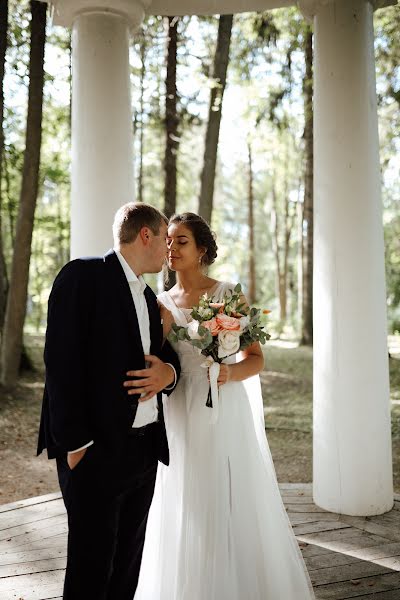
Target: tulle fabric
pixel 217 527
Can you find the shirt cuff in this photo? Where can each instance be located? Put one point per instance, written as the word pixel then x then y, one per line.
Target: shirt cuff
pixel 82 447
pixel 172 385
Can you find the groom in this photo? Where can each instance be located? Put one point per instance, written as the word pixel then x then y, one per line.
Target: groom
pixel 107 433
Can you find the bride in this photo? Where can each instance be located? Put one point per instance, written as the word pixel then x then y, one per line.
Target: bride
pixel 217 527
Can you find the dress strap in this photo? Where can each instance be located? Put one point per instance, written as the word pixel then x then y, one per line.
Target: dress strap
pixel 165 299
pixel 178 314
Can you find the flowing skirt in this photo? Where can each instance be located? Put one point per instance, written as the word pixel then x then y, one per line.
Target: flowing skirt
pixel 217 527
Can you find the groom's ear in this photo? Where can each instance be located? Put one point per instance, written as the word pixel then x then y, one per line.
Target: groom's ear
pixel 144 234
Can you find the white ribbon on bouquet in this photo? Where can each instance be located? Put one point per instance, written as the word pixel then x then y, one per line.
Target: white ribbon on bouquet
pixel 213 372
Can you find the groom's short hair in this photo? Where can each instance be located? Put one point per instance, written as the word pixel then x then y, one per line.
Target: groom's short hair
pixel 130 218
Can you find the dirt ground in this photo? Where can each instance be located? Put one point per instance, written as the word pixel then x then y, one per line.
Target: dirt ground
pixel 287 388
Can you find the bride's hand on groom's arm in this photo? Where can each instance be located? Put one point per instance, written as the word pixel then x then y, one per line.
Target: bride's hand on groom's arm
pixel 158 376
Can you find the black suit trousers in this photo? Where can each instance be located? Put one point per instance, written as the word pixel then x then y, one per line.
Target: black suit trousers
pixel 107 501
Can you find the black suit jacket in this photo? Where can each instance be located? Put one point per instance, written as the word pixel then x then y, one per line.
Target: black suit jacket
pixel 92 340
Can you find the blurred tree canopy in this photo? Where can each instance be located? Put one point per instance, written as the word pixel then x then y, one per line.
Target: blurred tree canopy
pixel 263 108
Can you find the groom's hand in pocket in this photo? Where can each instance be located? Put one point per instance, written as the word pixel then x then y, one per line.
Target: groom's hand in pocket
pixel 152 380
pixel 74 458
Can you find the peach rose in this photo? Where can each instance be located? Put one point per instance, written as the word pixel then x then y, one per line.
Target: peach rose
pixel 212 326
pixel 219 305
pixel 228 323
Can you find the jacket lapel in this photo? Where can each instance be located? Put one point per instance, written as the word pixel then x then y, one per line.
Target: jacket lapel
pixel 155 320
pixel 123 292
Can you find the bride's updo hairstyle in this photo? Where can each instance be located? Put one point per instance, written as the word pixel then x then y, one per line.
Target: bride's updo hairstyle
pixel 203 236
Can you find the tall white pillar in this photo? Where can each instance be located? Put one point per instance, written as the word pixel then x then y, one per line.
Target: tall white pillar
pixel 352 435
pixel 102 137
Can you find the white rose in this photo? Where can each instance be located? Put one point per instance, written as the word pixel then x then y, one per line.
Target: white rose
pixel 206 313
pixel 228 343
pixel 244 322
pixel 192 330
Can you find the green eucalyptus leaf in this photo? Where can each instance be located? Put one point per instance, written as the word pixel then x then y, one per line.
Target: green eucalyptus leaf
pixel 197 343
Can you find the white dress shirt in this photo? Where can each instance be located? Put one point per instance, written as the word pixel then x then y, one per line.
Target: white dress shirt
pixel 147 412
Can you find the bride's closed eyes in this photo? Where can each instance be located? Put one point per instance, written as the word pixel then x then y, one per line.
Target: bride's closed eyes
pixel 179 242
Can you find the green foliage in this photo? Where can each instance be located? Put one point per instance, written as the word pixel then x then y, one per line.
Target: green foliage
pixel 262 105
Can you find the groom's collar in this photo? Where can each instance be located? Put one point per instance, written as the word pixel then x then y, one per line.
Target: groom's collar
pixel 130 275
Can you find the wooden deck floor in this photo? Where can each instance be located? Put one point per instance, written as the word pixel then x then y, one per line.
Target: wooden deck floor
pixel 347 557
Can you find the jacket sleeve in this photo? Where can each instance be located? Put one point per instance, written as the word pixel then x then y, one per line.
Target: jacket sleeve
pixel 66 355
pixel 168 355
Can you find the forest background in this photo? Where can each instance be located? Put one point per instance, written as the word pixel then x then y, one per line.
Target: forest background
pixel 222 125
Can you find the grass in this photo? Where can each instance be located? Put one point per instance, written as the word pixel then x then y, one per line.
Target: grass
pixel 287 390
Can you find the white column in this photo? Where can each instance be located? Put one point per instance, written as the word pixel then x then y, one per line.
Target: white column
pixel 352 437
pixel 102 148
pixel 102 137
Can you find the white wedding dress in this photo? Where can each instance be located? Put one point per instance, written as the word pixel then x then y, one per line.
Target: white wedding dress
pixel 217 527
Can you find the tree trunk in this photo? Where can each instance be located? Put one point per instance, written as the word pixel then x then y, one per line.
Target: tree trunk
pixel 171 119
pixel 252 264
pixel 308 214
pixel 17 296
pixel 282 232
pixel 221 61
pixel 276 248
pixel 3 47
pixel 171 128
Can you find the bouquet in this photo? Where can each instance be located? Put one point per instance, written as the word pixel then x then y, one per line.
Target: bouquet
pixel 221 329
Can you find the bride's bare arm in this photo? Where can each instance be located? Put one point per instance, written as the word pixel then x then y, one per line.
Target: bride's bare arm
pixel 252 364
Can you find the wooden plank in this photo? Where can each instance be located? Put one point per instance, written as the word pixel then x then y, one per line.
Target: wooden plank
pixel 306 508
pixel 44 592
pixel 28 584
pixel 360 587
pixel 309 550
pixel 30 502
pixel 339 573
pixel 334 538
pixel 32 555
pixel 391 595
pixel 11 544
pixel 335 559
pixel 20 530
pixel 296 499
pixel 374 527
pixel 293 493
pixel 30 514
pixel 377 552
pixel 299 518
pixel 319 526
pixel 329 559
pixel 36 566
pixel 354 550
pixel 57 541
pixel 296 486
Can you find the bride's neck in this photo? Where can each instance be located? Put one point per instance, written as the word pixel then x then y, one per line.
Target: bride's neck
pixel 191 280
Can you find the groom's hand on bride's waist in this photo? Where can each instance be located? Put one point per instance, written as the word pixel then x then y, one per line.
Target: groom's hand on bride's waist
pixel 158 376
